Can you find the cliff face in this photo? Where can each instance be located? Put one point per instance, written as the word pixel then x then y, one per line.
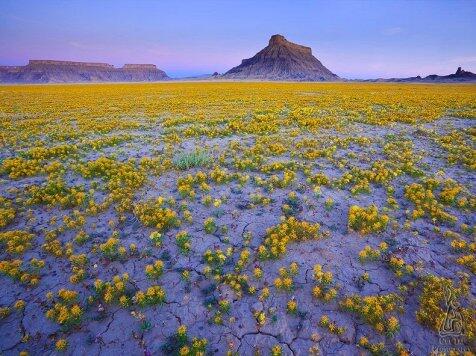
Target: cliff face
pixel 282 60
pixel 48 71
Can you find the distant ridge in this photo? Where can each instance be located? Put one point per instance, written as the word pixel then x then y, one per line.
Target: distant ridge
pixel 52 71
pixel 459 76
pixel 282 60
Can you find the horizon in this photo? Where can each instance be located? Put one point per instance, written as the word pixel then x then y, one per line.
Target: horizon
pixel 355 40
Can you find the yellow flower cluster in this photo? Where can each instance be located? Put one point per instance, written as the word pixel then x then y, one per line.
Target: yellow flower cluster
pixel 260 317
pixel 155 270
pixel 17 241
pixel 330 325
pixel 292 306
pixel 66 311
pixel 372 254
pixel 379 173
pixel 196 348
pixel 367 219
pixel 78 263
pixel 61 344
pixel 112 249
pixel 243 260
pixel 278 237
pixel 216 257
pixel 42 153
pixel 56 192
pixel 450 192
pixel 152 296
pixel 322 290
pixel 460 148
pixel 274 181
pixel 259 199
pixel 77 220
pixel 426 203
pixel 373 348
pixel 468 261
pixel 185 185
pixel 183 241
pixel 210 225
pixel 25 275
pixel 52 244
pixel 399 267
pixel 238 283
pixel 19 168
pixel 318 179
pixel 155 214
pixel 7 213
pixel 4 312
pixel 276 350
pixel 113 291
pixel 285 279
pixel 375 310
pixel 122 179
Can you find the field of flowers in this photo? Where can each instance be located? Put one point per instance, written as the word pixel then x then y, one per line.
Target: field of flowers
pixel 237 219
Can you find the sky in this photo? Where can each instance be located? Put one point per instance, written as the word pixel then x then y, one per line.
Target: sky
pixel 354 39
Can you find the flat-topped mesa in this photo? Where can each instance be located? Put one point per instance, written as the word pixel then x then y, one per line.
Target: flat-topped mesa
pixel 139 67
pixel 52 71
pixel 48 62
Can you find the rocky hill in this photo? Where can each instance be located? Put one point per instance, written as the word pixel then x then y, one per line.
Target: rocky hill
pixel 282 60
pixel 48 71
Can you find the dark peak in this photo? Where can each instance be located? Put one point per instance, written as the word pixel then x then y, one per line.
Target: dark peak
pixel 277 40
pixel 459 70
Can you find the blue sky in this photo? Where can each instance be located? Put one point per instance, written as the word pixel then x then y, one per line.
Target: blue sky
pixel 355 39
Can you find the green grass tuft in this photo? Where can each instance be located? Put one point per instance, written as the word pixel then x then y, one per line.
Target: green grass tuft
pixel 187 160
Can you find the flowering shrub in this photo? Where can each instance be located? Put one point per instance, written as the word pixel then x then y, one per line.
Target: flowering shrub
pixel 291 306
pixel 66 311
pixel 18 167
pixel 426 203
pixel 399 266
pixel 152 296
pixel 7 213
pixel 183 241
pixel 278 237
pixel 367 219
pixel 56 192
pixel 285 279
pixel 375 310
pixel 112 249
pixel 113 291
pixel 180 344
pixel 155 270
pixel 209 225
pixel 373 348
pixel 17 241
pixel 323 290
pixel 153 213
pixel 17 270
pixel 325 322
pixel 372 254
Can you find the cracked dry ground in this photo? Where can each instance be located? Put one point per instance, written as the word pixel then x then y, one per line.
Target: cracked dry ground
pixel 331 241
